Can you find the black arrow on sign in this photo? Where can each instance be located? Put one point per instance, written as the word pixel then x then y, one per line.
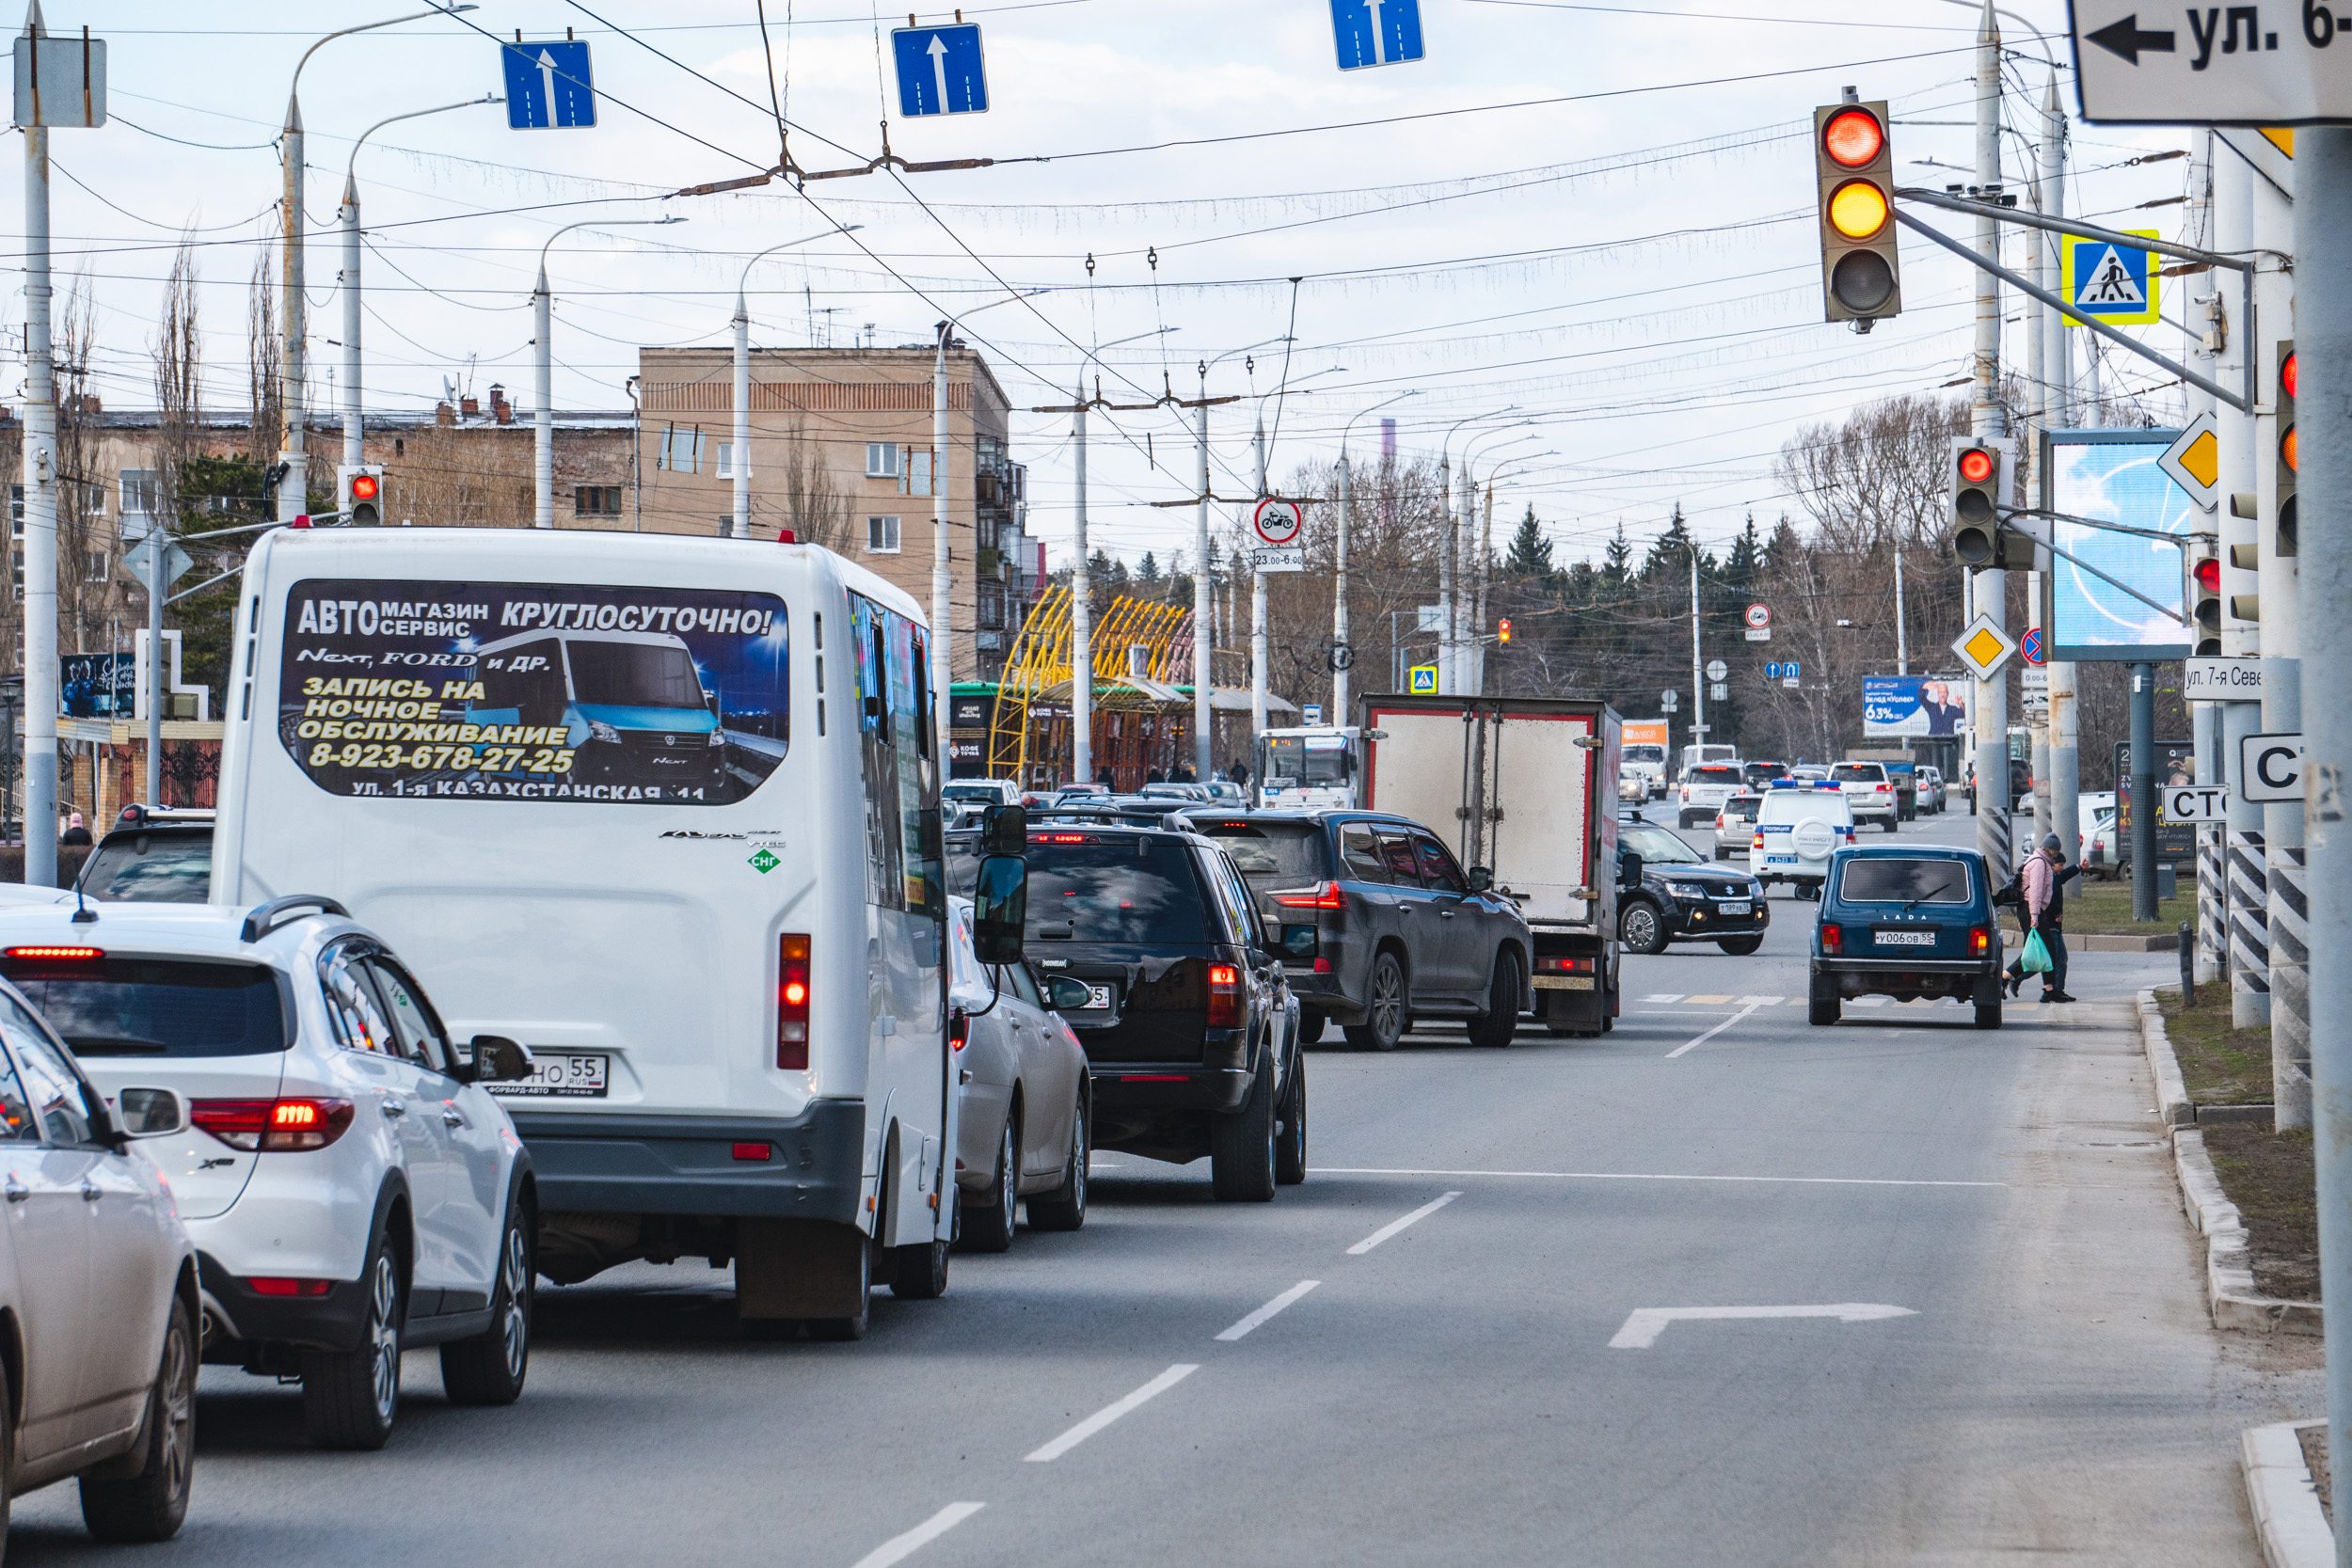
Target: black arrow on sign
pixel 2125 38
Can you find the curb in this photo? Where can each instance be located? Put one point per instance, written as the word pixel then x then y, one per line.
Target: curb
pixel 2287 1517
pixel 2231 1296
pixel 2093 943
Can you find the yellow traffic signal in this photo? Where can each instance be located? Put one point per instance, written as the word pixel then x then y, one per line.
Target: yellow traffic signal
pixel 1502 631
pixel 1854 166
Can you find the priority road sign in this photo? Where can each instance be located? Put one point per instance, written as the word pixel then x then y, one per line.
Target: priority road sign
pixel 2109 282
pixel 1376 32
pixel 548 86
pixel 1421 680
pixel 177 563
pixel 940 70
pixel 1277 521
pixel 1984 648
pixel 2194 461
pixel 2270 767
pixel 2195 803
pixel 2230 65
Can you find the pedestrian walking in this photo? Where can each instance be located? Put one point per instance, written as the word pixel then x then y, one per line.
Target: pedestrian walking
pixel 2042 881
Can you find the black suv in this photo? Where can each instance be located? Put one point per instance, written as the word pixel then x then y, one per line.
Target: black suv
pixel 1379 923
pixel 1189 1027
pixel 161 857
pixel 1682 895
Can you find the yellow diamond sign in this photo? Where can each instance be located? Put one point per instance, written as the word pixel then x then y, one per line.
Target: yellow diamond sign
pixel 1984 648
pixel 2194 461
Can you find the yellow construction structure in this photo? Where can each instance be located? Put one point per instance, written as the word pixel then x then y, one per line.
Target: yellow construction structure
pixel 1142 716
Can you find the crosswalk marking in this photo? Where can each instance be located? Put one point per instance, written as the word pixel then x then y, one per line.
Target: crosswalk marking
pixel 1668 996
pixel 1707 1000
pixel 1761 1001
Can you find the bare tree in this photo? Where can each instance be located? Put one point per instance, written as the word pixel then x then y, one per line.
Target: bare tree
pixel 178 352
pixel 1877 476
pixel 262 351
pixel 814 510
pixel 83 547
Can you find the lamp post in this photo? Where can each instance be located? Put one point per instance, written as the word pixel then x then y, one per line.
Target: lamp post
pixel 741 466
pixel 1260 651
pixel 543 358
pixel 1487 556
pixel 1470 596
pixel 1339 573
pixel 1445 551
pixel 1204 766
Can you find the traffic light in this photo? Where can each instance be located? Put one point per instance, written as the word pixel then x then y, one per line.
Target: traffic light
pixel 1502 630
pixel 2286 448
pixel 1855 163
pixel 360 493
pixel 1980 476
pixel 2201 595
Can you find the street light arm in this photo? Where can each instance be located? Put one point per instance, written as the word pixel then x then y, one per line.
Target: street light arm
pixel 596 223
pixel 744 281
pixel 1350 425
pixel 351 167
pixel 295 86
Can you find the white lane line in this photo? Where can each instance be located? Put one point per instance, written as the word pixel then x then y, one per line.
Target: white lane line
pixel 1647 1175
pixel 899 1547
pixel 1712 1033
pixel 1642 1327
pixel 1111 1412
pixel 1762 1001
pixel 1240 1330
pixel 1395 1225
pixel 1664 996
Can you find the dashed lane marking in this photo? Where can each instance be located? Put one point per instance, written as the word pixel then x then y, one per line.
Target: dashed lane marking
pixel 1242 1329
pixel 1108 1414
pixel 899 1547
pixel 1395 1225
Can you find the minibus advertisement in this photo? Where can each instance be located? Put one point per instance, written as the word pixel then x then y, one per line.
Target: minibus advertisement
pixel 534 692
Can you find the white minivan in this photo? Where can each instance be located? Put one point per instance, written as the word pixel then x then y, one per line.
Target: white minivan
pixel 728 968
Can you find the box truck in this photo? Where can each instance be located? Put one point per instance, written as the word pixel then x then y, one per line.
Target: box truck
pixel 1645 742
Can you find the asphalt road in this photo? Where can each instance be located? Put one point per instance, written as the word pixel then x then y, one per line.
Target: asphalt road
pixel 1473 1354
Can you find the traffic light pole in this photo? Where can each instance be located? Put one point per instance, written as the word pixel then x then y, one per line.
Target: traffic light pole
pixel 1986 420
pixel 41 520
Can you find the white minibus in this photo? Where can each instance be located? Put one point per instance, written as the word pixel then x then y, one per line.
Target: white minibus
pixel 666 811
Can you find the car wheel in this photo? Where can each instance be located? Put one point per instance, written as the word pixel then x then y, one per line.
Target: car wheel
pixel 987 1224
pixel 350 1398
pixel 1065 1207
pixel 919 1273
pixel 1722 853
pixel 489 1369
pixel 1821 1004
pixel 150 1504
pixel 1739 947
pixel 1988 1015
pixel 1310 1026
pixel 1502 1003
pixel 1641 927
pixel 852 1326
pixel 1241 1145
pixel 1384 1016
pixel 1891 825
pixel 1290 1141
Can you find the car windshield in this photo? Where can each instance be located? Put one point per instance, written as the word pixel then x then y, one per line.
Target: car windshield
pixel 1764 772
pixel 1886 880
pixel 1742 807
pixel 151 868
pixel 1858 772
pixel 1113 889
pixel 1286 854
pixel 1655 844
pixel 633 674
pixel 156 1006
pixel 971 792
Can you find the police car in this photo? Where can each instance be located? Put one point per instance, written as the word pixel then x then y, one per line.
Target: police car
pixel 1800 825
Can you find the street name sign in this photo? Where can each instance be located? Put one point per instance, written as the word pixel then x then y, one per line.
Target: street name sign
pixel 2275 63
pixel 1277 521
pixel 1984 648
pixel 2195 803
pixel 2270 767
pixel 2222 680
pixel 940 70
pixel 1376 32
pixel 548 86
pixel 2109 282
pixel 2194 461
pixel 1421 680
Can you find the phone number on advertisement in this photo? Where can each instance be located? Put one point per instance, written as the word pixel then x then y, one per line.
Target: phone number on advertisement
pixel 435 759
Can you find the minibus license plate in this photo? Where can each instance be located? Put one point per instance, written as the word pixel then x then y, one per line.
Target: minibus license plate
pixel 569 1074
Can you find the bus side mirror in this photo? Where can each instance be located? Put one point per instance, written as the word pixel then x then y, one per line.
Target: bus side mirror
pixel 1000 908
pixel 1628 870
pixel 1004 830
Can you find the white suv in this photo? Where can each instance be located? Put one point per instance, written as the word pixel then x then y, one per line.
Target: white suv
pixel 351 1188
pixel 1797 828
pixel 1871 793
pixel 1706 785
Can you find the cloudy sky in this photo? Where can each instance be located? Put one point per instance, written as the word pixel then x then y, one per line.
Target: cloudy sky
pixel 1601 214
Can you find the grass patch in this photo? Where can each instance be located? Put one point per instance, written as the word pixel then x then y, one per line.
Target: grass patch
pixel 2270 1177
pixel 2220 1065
pixel 2105 908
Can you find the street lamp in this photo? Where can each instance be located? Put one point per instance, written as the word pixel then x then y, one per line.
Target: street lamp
pixel 1339 595
pixel 1204 718
pixel 741 527
pixel 1470 571
pixel 1446 550
pixel 542 323
pixel 1486 560
pixel 1081 605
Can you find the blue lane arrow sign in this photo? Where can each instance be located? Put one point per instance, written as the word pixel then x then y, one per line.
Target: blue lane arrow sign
pixel 548 86
pixel 1376 32
pixel 1771 672
pixel 940 70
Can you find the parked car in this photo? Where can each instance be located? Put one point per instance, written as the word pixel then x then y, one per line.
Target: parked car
pixel 1933 797
pixel 1189 1027
pixel 1379 925
pixel 98 1289
pixel 1797 828
pixel 1669 894
pixel 1906 923
pixel 153 857
pixel 1706 785
pixel 1735 825
pixel 1021 1129
pixel 1869 793
pixel 353 1187
pixel 2100 848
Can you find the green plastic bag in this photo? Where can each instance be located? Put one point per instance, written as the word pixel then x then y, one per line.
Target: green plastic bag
pixel 2036 959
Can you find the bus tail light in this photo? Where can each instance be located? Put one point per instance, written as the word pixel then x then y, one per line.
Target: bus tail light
pixel 792 1002
pixel 1224 996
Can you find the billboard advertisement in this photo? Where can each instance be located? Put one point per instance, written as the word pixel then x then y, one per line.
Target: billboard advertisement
pixel 2111 476
pixel 2176 765
pixel 97 686
pixel 1898 705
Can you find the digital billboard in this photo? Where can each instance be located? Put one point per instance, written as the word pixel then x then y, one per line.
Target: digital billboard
pixel 2111 476
pixel 1895 705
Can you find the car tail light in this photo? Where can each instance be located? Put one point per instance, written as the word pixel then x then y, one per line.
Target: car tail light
pixel 755 1151
pixel 1884 788
pixel 1756 842
pixel 56 952
pixel 1322 966
pixel 1979 941
pixel 272 1285
pixel 959 1028
pixel 1832 939
pixel 1224 996
pixel 792 1002
pixel 273 1126
pixel 1564 966
pixel 1327 896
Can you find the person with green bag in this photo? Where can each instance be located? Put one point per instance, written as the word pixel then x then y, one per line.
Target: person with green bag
pixel 2042 881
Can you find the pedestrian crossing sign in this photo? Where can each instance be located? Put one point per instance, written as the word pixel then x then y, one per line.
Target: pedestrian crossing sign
pixel 2109 282
pixel 1423 678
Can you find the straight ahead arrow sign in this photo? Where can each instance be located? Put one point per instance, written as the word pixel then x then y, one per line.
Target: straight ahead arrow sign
pixel 2125 38
pixel 938 53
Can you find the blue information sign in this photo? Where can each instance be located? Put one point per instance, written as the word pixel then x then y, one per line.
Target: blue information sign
pixel 1376 32
pixel 548 87
pixel 940 70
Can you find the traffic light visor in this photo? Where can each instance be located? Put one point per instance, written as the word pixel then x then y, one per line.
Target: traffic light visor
pixel 2209 574
pixel 364 487
pixel 2286 375
pixel 1857 208
pixel 1853 138
pixel 1976 466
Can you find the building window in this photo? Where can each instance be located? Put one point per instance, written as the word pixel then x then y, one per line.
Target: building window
pixel 94 565
pixel 596 500
pixel 992 604
pixel 724 467
pixel 882 460
pixel 882 536
pixel 400 446
pixel 681 450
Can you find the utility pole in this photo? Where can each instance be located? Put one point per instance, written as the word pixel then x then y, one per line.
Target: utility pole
pixel 40 515
pixel 1204 605
pixel 2245 859
pixel 1081 613
pixel 1986 419
pixel 2280 601
pixel 1445 573
pixel 1338 595
pixel 293 489
pixel 1257 611
pixel 2065 759
pixel 941 674
pixel 2205 717
pixel 1698 675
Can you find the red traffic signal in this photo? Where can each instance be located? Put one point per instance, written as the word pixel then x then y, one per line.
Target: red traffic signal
pixel 1853 138
pixel 2209 574
pixel 364 487
pixel 1854 167
pixel 1977 464
pixel 1502 631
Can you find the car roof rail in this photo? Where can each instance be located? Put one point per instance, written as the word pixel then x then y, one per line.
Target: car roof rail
pixel 266 918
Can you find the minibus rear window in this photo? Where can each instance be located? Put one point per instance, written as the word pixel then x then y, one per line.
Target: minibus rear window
pixel 1117 889
pixel 156 1006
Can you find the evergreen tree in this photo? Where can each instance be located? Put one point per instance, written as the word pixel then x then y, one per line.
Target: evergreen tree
pixel 1530 552
pixel 1618 560
pixel 1149 571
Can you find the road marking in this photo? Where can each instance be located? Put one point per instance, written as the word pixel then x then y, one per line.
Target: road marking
pixel 1868 1001
pixel 1110 1413
pixel 1644 1325
pixel 1667 996
pixel 1395 1225
pixel 900 1547
pixel 1647 1175
pixel 1712 1033
pixel 1240 1330
pixel 1762 1001
pixel 1707 1000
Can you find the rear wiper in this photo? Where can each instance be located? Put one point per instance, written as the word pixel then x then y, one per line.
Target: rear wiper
pixel 116 1045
